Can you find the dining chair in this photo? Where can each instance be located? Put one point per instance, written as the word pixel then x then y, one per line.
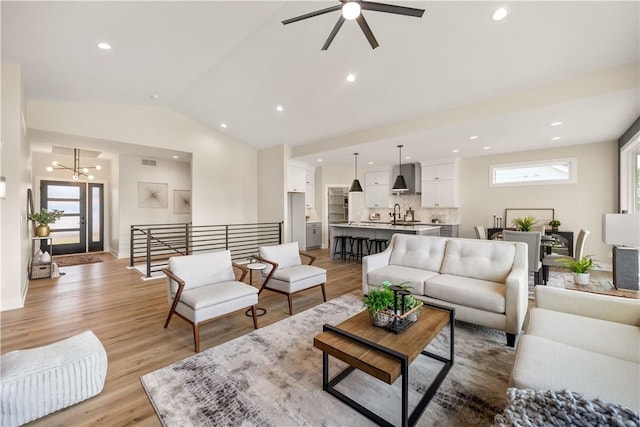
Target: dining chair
pixel 481 233
pixel 539 227
pixel 533 241
pixel 555 260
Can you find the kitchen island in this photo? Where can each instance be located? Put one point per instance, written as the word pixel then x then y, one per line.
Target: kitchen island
pixel 378 231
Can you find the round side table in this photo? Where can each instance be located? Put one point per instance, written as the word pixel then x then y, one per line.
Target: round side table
pixel 258 266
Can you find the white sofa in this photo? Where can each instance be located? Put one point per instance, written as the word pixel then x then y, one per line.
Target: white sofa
pixel 583 342
pixel 485 281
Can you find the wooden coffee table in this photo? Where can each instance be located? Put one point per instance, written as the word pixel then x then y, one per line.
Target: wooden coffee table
pixel 385 355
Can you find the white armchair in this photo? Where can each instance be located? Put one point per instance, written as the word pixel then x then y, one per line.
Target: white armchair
pixel 203 287
pixel 285 272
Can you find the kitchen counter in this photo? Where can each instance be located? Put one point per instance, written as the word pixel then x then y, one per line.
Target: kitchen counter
pixel 378 231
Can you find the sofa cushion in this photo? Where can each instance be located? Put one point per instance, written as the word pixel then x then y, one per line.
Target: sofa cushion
pixel 474 293
pixel 596 335
pixel 421 252
pixel 479 259
pixel 543 364
pixel 201 269
pixel 397 275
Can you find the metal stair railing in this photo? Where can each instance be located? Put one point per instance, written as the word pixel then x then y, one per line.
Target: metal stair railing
pixel 153 244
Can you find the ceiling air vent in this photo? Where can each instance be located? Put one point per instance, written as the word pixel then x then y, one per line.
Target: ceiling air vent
pixel 148 162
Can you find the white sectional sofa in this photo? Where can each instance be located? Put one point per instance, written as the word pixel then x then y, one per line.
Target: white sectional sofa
pixel 485 281
pixel 583 342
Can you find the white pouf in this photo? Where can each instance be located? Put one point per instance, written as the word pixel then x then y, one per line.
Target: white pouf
pixel 38 381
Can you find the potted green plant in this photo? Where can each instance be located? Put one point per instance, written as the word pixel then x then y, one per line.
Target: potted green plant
pixel 377 303
pixel 554 225
pixel 580 268
pixel 44 218
pixel 524 223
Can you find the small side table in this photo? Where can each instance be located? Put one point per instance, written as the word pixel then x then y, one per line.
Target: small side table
pixel 258 266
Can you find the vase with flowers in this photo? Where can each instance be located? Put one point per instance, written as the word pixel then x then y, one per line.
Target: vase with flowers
pixel 43 219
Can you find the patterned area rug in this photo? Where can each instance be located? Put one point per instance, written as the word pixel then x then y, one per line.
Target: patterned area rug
pixel 273 377
pixel 556 280
pixel 69 260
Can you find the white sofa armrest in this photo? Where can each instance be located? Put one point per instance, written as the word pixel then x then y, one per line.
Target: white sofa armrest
pixel 374 262
pixel 517 291
pixel 597 306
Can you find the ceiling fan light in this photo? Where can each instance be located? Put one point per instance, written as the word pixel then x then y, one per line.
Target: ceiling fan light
pixel 351 10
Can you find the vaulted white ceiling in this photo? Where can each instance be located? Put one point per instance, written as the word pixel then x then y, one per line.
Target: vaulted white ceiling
pixel 433 83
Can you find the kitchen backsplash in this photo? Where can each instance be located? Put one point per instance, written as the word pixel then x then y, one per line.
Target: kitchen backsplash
pixel 443 215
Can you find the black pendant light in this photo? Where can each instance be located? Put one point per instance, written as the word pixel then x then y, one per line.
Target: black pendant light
pixel 400 184
pixel 355 185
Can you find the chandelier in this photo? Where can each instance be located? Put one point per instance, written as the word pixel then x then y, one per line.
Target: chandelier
pixel 77 170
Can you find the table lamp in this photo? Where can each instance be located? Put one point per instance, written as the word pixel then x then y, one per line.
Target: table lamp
pixel 623 232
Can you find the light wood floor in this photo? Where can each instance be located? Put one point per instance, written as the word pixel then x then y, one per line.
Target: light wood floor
pixel 128 315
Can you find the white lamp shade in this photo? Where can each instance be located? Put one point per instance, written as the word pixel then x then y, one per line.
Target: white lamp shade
pixel 621 229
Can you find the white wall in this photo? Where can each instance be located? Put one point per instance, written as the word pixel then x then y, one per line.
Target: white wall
pixel 272 202
pixel 577 206
pixel 224 171
pixel 114 211
pixel 331 176
pixel 15 166
pixel 177 176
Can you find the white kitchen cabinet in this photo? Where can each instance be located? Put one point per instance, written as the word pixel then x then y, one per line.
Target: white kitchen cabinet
pixel 310 189
pixel 314 235
pixel 440 185
pixel 296 179
pixel 377 178
pixel 439 172
pixel 376 189
pixel 376 196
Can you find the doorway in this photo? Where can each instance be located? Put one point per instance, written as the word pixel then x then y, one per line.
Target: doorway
pixel 81 228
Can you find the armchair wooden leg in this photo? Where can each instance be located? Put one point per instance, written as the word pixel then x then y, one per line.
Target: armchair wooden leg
pixel 196 336
pixel 168 318
pixel 255 317
pixel 290 304
pixel 324 293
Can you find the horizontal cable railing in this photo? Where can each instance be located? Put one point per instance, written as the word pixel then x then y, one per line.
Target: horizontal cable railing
pixel 153 244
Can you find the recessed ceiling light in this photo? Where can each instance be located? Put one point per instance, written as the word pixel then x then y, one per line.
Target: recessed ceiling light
pixel 499 14
pixel 556 123
pixel 223 125
pixel 280 108
pixel 408 158
pixel 104 46
pixel 351 78
pixel 473 137
pixel 98 167
pixel 486 148
pixel 351 10
pixel 154 96
pixel 370 163
pixel 175 157
pixel 319 160
pixel 555 138
pixel 455 150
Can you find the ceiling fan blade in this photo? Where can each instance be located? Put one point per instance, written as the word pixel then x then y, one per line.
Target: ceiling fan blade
pixel 333 33
pixel 390 8
pixel 312 14
pixel 367 31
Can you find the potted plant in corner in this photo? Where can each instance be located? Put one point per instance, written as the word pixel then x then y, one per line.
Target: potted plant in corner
pixel 44 218
pixel 580 268
pixel 554 225
pixel 524 223
pixel 377 303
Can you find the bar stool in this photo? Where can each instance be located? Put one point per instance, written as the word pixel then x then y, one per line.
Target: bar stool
pixel 340 246
pixel 377 245
pixel 357 247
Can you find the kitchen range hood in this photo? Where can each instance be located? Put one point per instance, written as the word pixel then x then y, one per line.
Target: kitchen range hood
pixel 412 175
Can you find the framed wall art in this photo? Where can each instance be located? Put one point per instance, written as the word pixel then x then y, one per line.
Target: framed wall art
pixel 182 201
pixel 542 216
pixel 152 195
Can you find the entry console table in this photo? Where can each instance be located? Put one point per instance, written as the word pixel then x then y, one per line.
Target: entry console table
pixel 385 356
pixel 564 237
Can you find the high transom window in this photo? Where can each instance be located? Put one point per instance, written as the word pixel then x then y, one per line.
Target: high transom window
pixel 556 171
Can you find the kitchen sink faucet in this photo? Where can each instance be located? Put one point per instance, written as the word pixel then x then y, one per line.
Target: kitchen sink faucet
pixel 396 215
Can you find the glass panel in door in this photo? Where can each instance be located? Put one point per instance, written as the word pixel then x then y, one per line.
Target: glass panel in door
pixel 69 232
